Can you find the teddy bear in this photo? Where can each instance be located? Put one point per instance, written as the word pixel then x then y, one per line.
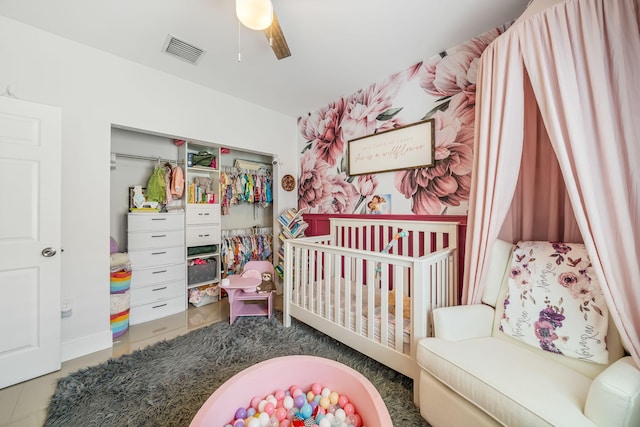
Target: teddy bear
pixel 267 284
pixel 406 304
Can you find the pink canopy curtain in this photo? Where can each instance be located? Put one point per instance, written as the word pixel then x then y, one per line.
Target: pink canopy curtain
pixel 581 57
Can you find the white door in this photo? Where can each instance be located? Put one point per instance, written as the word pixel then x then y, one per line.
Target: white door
pixel 30 141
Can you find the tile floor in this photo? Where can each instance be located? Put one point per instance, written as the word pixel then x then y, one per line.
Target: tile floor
pixel 25 404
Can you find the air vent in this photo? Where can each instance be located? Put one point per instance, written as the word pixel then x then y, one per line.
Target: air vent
pixel 182 49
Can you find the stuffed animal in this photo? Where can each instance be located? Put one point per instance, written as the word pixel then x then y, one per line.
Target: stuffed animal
pixel 204 183
pixel 267 284
pixel 406 304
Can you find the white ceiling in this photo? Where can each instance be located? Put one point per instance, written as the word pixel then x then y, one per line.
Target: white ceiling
pixel 338 46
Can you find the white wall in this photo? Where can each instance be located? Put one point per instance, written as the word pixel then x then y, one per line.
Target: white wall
pixel 95 91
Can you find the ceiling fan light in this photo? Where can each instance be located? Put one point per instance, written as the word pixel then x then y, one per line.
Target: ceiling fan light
pixel 255 14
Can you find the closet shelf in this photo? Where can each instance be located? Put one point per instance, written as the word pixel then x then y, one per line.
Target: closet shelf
pixel 203 255
pixel 205 169
pixel 197 285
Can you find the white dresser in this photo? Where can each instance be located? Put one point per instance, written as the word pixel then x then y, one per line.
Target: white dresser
pixel 156 246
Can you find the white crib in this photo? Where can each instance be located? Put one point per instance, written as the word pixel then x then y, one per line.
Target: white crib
pixel 327 278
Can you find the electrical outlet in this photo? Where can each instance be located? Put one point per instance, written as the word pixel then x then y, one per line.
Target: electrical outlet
pixel 66 307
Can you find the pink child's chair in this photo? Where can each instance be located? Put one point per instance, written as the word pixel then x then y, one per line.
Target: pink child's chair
pixel 241 288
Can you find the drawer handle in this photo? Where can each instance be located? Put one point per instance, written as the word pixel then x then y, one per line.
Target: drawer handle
pixel 158 289
pixel 158 306
pixel 203 235
pixel 155 331
pixel 159 271
pixel 203 213
pixel 160 235
pixel 158 253
pixel 158 219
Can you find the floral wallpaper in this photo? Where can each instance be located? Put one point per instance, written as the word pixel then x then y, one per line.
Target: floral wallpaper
pixel 442 87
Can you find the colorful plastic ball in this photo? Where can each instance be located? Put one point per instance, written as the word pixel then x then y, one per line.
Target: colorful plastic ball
pixel 310 396
pixel 253 422
pixel 280 414
pixel 349 409
pixel 299 401
pixel 279 394
pixel 271 398
pixel 263 419
pixel 285 423
pixel 324 402
pixel 333 397
pixel 316 388
pixel 325 422
pixel 287 403
pixel 343 400
pixel 255 401
pixel 261 405
pixel 251 412
pixel 241 413
pixel 326 392
pixel 340 414
pixel 239 423
pixel 313 404
pixel 306 410
pixel 269 408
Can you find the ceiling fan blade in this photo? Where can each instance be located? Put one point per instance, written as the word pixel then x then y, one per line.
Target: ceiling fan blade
pixel 276 38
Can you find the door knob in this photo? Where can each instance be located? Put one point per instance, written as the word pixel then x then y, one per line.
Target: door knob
pixel 48 252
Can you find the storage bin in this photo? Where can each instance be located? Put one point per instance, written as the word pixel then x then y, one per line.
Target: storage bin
pixel 204 295
pixel 119 302
pixel 120 281
pixel 119 323
pixel 199 273
pixel 206 249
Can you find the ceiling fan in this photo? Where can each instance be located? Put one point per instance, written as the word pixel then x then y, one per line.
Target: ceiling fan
pixel 259 15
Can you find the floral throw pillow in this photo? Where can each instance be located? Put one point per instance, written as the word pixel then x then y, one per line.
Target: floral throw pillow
pixel 554 301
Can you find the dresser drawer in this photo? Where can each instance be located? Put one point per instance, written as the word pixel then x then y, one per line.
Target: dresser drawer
pixel 160 274
pixel 203 235
pixel 155 221
pixel 156 310
pixel 156 257
pixel 155 239
pixel 203 213
pixel 154 293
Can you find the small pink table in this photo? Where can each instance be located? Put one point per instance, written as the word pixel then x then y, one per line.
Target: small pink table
pixel 243 298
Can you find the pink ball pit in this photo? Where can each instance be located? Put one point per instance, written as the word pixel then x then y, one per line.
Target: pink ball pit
pixel 282 372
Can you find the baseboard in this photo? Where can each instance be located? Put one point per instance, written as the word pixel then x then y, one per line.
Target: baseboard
pixel 86 345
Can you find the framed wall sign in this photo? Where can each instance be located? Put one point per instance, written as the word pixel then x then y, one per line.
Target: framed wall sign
pixel 408 147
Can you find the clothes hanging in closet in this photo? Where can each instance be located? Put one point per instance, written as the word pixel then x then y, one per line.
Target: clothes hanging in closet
pixel 238 249
pixel 238 186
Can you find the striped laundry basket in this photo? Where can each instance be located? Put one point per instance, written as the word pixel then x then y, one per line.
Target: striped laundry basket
pixel 120 302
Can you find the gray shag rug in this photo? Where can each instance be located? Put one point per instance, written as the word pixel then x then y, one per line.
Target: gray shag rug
pixel 166 383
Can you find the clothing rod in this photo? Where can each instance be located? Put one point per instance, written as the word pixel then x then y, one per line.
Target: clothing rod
pixel 151 159
pixel 247 231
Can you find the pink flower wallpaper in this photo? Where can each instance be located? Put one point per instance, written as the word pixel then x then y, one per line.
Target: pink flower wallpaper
pixel 442 88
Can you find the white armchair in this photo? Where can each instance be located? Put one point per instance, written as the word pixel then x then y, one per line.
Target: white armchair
pixel 474 374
